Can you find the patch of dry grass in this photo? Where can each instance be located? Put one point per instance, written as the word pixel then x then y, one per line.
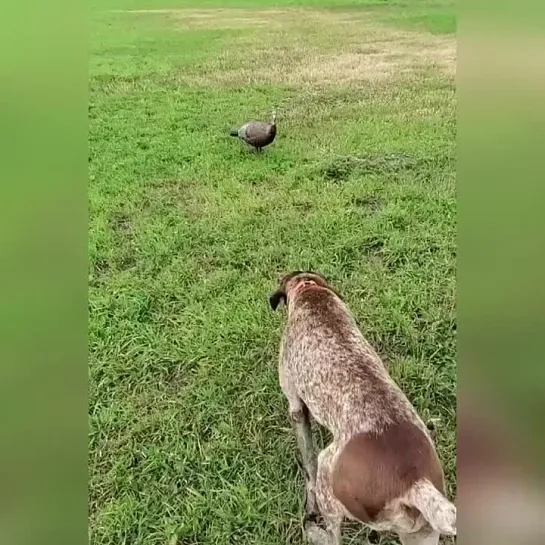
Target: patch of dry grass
pixel 308 48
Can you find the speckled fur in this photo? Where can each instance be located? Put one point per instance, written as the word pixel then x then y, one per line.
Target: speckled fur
pixel 329 369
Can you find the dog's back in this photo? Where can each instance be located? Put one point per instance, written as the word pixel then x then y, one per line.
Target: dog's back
pixel 344 382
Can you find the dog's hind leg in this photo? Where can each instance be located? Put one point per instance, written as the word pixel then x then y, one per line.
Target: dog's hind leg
pixel 329 506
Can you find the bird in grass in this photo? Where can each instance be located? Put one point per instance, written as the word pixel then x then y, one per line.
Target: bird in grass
pixel 257 134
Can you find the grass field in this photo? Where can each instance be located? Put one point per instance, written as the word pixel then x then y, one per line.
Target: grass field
pixel 189 231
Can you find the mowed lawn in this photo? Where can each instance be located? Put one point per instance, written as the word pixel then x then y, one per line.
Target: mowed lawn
pixel 189 231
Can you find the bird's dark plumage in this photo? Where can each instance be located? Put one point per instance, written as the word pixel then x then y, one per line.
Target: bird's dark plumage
pixel 257 134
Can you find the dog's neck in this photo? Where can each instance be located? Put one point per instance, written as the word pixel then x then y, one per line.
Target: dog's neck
pixel 304 285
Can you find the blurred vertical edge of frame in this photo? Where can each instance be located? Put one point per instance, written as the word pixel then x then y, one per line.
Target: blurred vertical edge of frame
pixel 43 248
pixel 501 83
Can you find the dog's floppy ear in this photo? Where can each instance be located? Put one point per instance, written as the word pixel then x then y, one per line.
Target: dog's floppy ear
pixel 276 297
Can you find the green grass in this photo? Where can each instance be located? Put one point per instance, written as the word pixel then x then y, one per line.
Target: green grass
pixel 335 4
pixel 189 231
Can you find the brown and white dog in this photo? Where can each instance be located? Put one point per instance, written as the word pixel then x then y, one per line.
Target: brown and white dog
pixel 381 467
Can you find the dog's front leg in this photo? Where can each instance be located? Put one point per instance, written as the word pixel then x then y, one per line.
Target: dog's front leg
pixel 300 419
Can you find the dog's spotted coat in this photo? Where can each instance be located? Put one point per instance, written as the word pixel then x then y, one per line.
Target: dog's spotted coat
pixel 381 467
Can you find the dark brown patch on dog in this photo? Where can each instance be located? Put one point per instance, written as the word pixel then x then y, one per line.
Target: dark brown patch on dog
pixel 392 460
pixel 323 308
pixel 276 298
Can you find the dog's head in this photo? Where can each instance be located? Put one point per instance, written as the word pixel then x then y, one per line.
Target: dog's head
pixel 294 279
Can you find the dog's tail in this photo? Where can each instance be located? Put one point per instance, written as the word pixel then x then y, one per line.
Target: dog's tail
pixel 435 508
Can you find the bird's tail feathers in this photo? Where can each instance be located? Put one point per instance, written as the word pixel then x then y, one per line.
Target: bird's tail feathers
pixel 234 132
